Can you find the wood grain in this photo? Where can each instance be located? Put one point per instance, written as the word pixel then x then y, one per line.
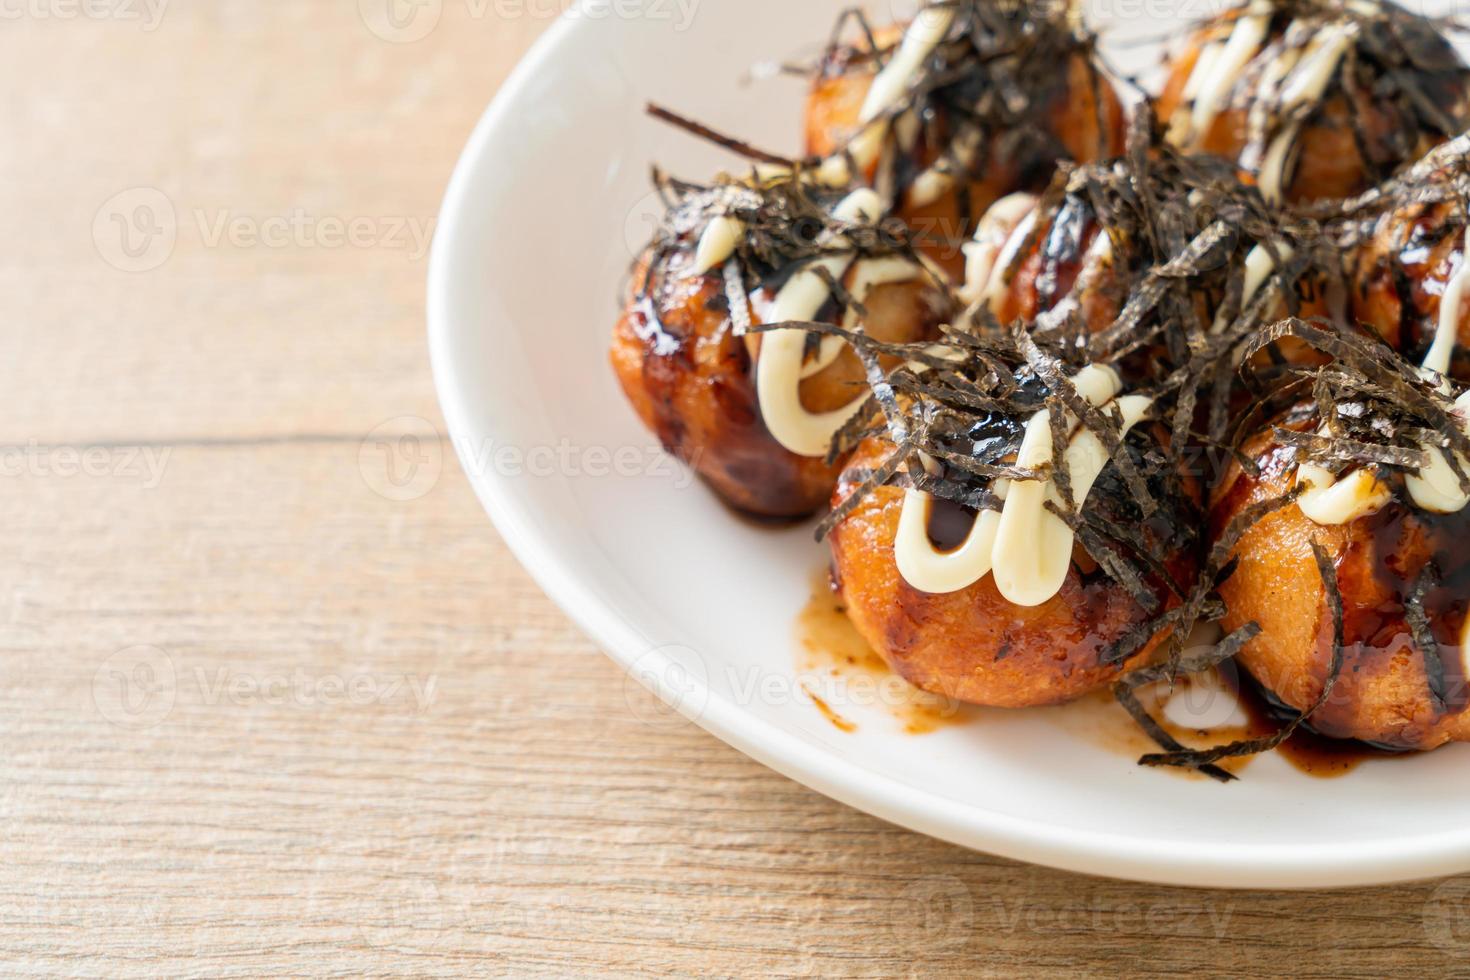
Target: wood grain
pixel 258 718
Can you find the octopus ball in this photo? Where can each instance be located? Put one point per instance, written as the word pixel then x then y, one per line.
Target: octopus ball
pixel 1315 100
pixel 691 378
pixel 1384 692
pixel 949 170
pixel 974 645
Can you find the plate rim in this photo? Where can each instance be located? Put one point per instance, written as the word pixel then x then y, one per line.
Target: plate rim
pixel 1219 865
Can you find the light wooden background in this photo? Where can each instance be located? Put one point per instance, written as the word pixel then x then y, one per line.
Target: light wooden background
pixel 256 717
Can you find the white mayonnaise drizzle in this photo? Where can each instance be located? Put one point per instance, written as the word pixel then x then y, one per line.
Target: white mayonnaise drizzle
pixel 1259 266
pixel 1436 488
pixel 997 239
pixel 1329 502
pixel 1216 70
pixel 718 242
pixel 1024 546
pixel 1306 83
pixel 888 89
pixel 780 368
pixel 1293 77
pixel 892 83
pixel 940 179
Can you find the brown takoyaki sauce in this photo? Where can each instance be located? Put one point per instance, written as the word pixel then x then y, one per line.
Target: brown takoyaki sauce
pixel 1305 749
pixel 1412 272
pixel 830 647
pixel 949 523
pixel 1411 557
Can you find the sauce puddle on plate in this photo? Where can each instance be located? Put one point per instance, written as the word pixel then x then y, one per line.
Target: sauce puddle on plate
pixel 836 668
pixel 1218 713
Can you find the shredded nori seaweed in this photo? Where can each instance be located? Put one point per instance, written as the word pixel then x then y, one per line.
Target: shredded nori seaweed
pixel 1180 227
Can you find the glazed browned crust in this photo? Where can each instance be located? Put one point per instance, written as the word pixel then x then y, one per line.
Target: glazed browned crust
pixel 691 381
pixel 974 645
pixel 1383 692
pixel 1401 273
pixel 1083 117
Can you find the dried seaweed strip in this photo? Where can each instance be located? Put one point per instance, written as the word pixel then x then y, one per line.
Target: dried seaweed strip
pixel 1408 399
pixel 986 471
pixel 1155 731
pixel 951 395
pixel 731 143
pixel 1191 758
pixel 1138 547
pixel 1424 640
pixel 1119 569
pixel 874 479
pixel 1342 449
pixel 1050 370
pixel 1061 473
pixel 956 493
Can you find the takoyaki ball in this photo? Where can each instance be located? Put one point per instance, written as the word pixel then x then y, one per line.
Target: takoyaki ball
pixel 1401 276
pixel 691 379
pixel 974 645
pixel 961 148
pixel 1383 692
pixel 1378 87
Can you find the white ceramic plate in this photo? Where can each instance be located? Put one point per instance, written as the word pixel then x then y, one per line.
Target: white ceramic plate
pixel 545 211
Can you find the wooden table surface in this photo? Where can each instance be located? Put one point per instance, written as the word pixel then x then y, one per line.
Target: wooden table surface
pixel 261 717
